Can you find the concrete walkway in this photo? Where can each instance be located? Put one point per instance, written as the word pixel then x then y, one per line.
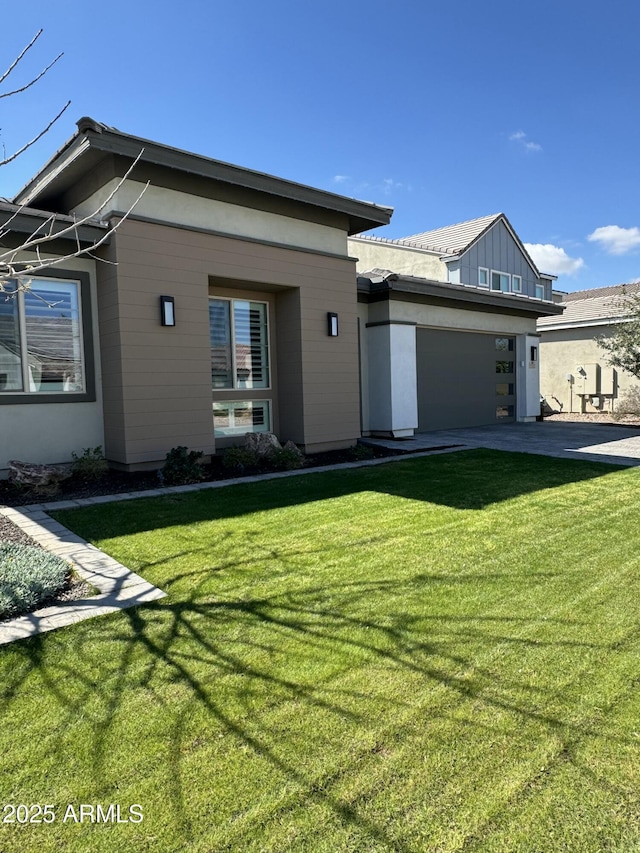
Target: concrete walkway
pixel 615 445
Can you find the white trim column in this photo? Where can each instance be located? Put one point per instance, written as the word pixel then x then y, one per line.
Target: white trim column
pixel 393 381
pixel 528 377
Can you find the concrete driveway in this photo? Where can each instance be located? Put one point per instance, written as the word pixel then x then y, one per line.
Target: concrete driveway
pixel 615 445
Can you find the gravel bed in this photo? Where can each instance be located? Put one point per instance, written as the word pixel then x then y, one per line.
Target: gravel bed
pixel 595 418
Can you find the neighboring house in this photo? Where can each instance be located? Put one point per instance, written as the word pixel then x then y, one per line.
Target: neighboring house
pixel 254 265
pixel 448 328
pixel 574 373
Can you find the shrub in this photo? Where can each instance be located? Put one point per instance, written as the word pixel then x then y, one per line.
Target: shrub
pixel 28 576
pixel 181 466
pixel 287 458
pixel 91 465
pixel 360 452
pixel 239 460
pixel 629 404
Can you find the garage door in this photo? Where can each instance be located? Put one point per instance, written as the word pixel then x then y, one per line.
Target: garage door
pixel 464 379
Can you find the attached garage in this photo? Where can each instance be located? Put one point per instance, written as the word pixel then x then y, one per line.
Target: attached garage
pixel 438 355
pixel 464 378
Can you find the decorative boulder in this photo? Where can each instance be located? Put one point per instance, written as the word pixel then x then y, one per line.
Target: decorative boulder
pixel 31 474
pixel 263 444
pixel 293 448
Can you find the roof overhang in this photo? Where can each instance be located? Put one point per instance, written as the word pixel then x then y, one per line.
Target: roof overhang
pixel 94 140
pixel 18 219
pixel 375 288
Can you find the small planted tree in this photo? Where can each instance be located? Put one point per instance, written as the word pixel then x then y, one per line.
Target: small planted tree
pixel 622 343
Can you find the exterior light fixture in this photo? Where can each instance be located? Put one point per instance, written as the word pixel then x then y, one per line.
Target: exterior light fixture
pixel 332 324
pixel 167 311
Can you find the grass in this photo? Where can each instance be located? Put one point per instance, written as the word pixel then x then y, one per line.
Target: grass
pixel 435 654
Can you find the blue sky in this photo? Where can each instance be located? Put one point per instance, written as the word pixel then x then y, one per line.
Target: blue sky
pixel 444 111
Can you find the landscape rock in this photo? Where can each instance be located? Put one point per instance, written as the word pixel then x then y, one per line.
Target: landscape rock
pixel 32 474
pixel 263 444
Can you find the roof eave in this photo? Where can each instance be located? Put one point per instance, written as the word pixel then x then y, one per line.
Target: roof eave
pixel 91 135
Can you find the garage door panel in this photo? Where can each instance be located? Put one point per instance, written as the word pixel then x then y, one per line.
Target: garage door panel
pixel 458 378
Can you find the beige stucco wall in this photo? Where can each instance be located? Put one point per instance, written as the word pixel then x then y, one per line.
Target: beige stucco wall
pixel 372 255
pixel 562 351
pixel 441 317
pixel 50 432
pixel 180 208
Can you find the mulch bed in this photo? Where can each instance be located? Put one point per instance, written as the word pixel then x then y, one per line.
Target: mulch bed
pixel 119 482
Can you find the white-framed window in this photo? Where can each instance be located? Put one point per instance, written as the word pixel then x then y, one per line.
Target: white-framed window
pixel 483 277
pixel 516 283
pixel 41 338
pixel 539 291
pixel 237 417
pixel 239 335
pixel 500 281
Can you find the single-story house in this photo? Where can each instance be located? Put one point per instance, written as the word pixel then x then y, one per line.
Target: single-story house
pixel 575 375
pixel 448 328
pixel 229 301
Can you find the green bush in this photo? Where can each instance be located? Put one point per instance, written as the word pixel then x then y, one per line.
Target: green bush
pixel 91 465
pixel 240 460
pixel 286 459
pixel 629 404
pixel 28 576
pixel 181 466
pixel 360 452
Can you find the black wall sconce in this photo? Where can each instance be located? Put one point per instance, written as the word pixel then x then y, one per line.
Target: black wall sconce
pixel 167 311
pixel 533 354
pixel 332 324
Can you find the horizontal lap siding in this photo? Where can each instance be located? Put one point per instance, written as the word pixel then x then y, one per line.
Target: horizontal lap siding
pixel 157 385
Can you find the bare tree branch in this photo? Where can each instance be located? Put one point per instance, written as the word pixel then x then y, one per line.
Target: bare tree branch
pixel 35 138
pixel 20 57
pixel 46 232
pixel 16 271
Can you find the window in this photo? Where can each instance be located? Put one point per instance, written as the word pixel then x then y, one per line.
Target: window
pixel 504 389
pixel 516 283
pixel 504 344
pixel 504 412
pixel 483 277
pixel 241 416
pixel 500 281
pixel 239 344
pixel 539 291
pixel 239 335
pixel 41 339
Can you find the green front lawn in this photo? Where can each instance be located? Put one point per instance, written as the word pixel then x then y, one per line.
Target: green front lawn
pixel 434 654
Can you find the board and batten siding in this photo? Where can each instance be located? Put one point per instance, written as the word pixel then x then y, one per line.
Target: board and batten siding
pixel 498 251
pixel 157 389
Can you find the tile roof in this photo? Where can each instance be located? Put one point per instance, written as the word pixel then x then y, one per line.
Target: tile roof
pixel 597 306
pixel 453 239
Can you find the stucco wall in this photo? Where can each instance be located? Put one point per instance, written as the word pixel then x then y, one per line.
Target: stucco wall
pixel 371 255
pixel 49 432
pixel 457 318
pixel 562 351
pixel 181 208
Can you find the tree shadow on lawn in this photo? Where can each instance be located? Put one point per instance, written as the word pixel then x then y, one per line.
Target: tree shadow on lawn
pixel 237 663
pixel 468 480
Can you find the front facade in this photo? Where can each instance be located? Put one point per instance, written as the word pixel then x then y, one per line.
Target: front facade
pixel 219 301
pixel 448 328
pixel 250 266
